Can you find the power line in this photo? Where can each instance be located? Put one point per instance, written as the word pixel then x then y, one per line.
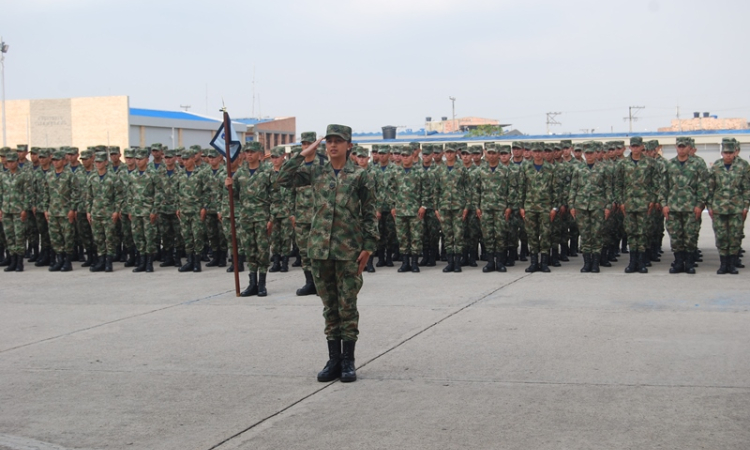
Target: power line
pixel 551 119
pixel 631 116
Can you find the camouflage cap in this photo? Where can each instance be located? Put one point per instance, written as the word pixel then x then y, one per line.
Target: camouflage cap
pixel 170 153
pixel 308 136
pixel 195 148
pixel 22 148
pixel 58 154
pixel 11 156
pixel 488 145
pixel 517 144
pixel 651 145
pixel 253 147
pixel 587 148
pixel 437 148
pixel 4 151
pixel 34 150
pixel 528 145
pixel 278 151
pixel 157 146
pixel 211 152
pixel 384 149
pixel 188 153
pixel 566 143
pixel 556 146
pixel 397 150
pixel 535 147
pixel 636 140
pixel 71 150
pixel 86 154
pixel 578 147
pixel 611 145
pixel 47 152
pixel 619 144
pixel 101 157
pixel 426 149
pixel 502 148
pixel 726 147
pixel 129 153
pixel 463 145
pixel 341 131
pixel 451 146
pixel 547 147
pixel 113 149
pixel 599 146
pixel 141 153
pixel 475 149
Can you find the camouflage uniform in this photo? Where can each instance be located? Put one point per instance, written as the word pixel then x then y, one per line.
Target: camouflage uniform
pixel 216 238
pixel 15 198
pixel 537 196
pixel 411 191
pixel 101 203
pixel 344 225
pixel 451 200
pixel 472 227
pixel 495 192
pixel 281 217
pixel 192 197
pixel 143 197
pixel 169 223
pixel 386 223
pixel 42 226
pixel 61 193
pixel 431 229
pixel 303 211
pixel 84 234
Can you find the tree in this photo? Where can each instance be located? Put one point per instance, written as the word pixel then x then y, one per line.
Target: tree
pixel 485 130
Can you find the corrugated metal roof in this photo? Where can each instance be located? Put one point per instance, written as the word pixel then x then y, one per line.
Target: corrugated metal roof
pixel 181 115
pixel 251 121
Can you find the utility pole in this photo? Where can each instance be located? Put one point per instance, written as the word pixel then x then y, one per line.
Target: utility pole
pixel 185 107
pixel 3 51
pixel 679 122
pixel 453 107
pixel 551 119
pixel 631 115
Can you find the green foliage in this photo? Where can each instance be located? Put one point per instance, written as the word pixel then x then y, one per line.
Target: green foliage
pixel 485 130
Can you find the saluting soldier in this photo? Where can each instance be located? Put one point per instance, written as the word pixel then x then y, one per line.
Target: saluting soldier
pixel 303 212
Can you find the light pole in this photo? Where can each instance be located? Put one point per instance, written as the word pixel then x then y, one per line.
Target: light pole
pixel 3 51
pixel 453 107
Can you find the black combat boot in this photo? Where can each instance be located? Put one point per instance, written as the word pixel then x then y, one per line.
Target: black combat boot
pixel 564 251
pixel 431 257
pixel 473 257
pixel 612 253
pixel 524 251
pixel 262 285
pixel 490 266
pixel 573 247
pixel 722 266
pixel 108 263
pixel 405 266
pixel 19 263
pixel 443 254
pixel 130 261
pixel 203 256
pixel 388 258
pixel 90 258
pixel 276 263
pixel 731 269
pixel 214 260
pixel 624 248
pixel 555 260
pixel 66 267
pixel 149 263
pixel 586 263
pixel 58 264
pixel 34 253
pixel 348 371
pixel 240 268
pixel 633 264
pixel 689 262
pixel 252 288
pixel 678 266
pixel 544 265
pixel 309 287
pixel 43 259
pixel 511 256
pixel 414 265
pixel 284 264
pixel 332 370
pixel 425 253
pixel 370 268
pixel 449 268
pixel 76 252
pixel 594 263
pixel 738 262
pixel 222 258
pixel 603 259
pixel 188 267
pixel 177 259
pixel 457 263
pixel 500 262
pixel 197 263
pixel 642 261
pixel 12 264
pixel 381 257
pixel 6 257
pixel 140 265
pixel 534 266
pixel 295 252
pixel 654 253
pixel 168 258
pixel 397 254
pixel 98 266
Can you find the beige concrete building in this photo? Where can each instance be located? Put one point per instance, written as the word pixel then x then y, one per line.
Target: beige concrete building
pixel 460 124
pixel 706 122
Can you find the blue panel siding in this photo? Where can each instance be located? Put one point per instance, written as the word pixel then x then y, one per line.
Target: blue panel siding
pixel 181 115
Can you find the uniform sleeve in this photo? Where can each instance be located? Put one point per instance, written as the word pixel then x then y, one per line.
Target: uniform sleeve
pixel 369 219
pixel 44 195
pixel 290 175
pixel 76 194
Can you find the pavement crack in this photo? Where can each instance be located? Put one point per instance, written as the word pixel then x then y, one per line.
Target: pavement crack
pixel 93 327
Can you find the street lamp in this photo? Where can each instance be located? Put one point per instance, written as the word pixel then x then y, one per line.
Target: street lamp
pixel 3 51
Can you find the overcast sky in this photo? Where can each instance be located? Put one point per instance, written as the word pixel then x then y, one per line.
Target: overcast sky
pixel 390 62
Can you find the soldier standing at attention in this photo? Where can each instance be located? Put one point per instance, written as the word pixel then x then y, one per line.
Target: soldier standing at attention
pixel 410 187
pixel 168 221
pixel 431 235
pixel 15 202
pixel 216 174
pixel 538 210
pixel 683 192
pixel 226 224
pixel 60 196
pixel 143 197
pixel 343 235
pixel 451 193
pixel 40 170
pixel 494 194
pixel 126 229
pixel 728 203
pixel 102 207
pixel 303 212
pixel 191 204
pixel 590 197
pixel 252 187
pixel 472 230
pixel 386 224
pixel 281 216
pixel 84 235
pixel 635 194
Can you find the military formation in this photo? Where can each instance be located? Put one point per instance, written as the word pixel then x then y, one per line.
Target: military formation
pixel 535 202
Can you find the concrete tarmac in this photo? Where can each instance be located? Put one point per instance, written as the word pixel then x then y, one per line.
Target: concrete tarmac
pixel 445 361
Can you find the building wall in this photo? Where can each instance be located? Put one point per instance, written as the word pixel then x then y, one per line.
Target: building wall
pixel 276 132
pixel 707 123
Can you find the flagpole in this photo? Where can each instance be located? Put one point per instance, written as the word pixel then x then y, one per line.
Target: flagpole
pixel 235 256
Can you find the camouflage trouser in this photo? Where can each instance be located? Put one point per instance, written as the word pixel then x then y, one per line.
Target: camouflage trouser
pixel 302 234
pixel 216 238
pixel 472 230
pixel 192 232
pixel 281 235
pixel 409 232
pixel 635 227
pixel 43 228
pixel 338 284
pixel 556 230
pixel 608 232
pixel 125 230
pixel 144 235
pixel 2 237
pixel 256 246
pixel 226 226
pixel 105 235
pixel 84 235
pixel 453 230
pixel 431 231
pixel 728 231
pixel 590 225
pixel 170 229
pixel 515 228
pixel 62 234
pixel 694 231
pixel 15 233
pixel 655 227
pixel 494 230
pixel 618 226
pixel 32 232
pixel 570 229
pixel 387 228
pixel 538 229
pixel 679 226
